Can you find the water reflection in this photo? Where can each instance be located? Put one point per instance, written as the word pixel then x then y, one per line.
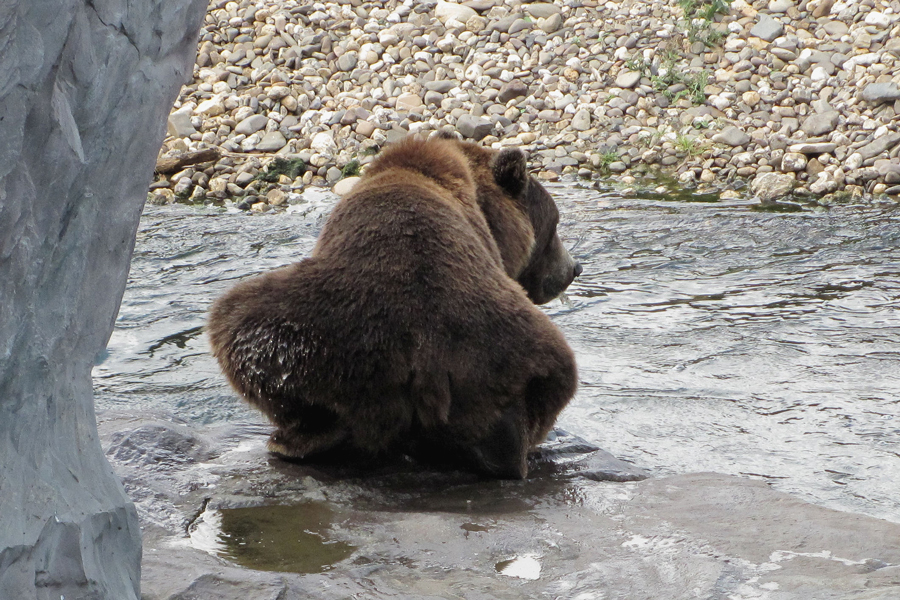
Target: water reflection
pixel 295 538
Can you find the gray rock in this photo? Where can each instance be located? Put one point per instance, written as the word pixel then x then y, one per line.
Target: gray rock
pixel 481 5
pixel 582 120
pixel 627 79
pixel 252 124
pixel 888 168
pixel 821 123
pixel 348 61
pixel 395 134
pixel 822 106
pixel 877 93
pixel 552 23
pixel 732 136
pixel 812 147
pixel 768 28
pixel 271 142
pixel 505 23
pixel 541 10
pixel 836 28
pixel 513 89
pixel 433 98
pixel 474 128
pixel 771 186
pixel 71 105
pixel 880 146
pixel 784 54
pixel 353 115
pixel 332 175
pixel 441 87
pixel 714 536
pixel 518 25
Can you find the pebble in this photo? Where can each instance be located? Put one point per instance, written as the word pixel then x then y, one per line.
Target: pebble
pixel 877 93
pixel 790 89
pixel 768 28
pixel 344 186
pixel 731 135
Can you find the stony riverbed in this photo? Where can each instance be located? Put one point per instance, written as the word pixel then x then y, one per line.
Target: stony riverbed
pixel 795 97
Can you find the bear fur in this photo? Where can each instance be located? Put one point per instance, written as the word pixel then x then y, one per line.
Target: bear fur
pixel 411 327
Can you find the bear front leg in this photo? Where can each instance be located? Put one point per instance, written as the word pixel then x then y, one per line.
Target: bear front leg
pixel 296 442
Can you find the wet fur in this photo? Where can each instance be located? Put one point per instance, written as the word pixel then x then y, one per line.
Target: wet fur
pixel 408 328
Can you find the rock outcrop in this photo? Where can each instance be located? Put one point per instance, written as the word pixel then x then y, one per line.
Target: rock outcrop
pixel 85 87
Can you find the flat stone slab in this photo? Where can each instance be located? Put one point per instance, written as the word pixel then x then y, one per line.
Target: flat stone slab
pixel 397 531
pixel 881 92
pixel 812 147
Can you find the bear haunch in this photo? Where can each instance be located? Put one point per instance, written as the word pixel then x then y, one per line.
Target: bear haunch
pixel 411 327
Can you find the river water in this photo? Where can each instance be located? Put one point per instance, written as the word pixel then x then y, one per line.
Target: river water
pixel 709 336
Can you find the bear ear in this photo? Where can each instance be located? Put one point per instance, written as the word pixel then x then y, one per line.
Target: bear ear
pixel 447 135
pixel 510 171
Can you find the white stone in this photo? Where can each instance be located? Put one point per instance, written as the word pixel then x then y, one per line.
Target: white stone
pixel 345 186
pixel 793 161
pixel 878 19
pixel 825 184
pixel 446 11
pixel 179 124
pixel 323 143
pixel 780 6
pixel 582 120
pixel 854 161
pixel 819 74
pixel 210 108
pixel 409 102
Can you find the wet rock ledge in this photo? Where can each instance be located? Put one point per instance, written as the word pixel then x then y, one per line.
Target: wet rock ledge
pixel 223 520
pixel 798 96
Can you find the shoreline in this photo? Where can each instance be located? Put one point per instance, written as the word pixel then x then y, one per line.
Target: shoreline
pixel 793 99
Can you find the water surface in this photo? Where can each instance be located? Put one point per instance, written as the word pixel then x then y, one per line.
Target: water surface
pixel 709 336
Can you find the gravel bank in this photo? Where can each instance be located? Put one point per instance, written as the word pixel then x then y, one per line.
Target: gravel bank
pixel 792 97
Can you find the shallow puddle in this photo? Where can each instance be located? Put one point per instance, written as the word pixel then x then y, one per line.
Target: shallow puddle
pixel 295 539
pixel 526 566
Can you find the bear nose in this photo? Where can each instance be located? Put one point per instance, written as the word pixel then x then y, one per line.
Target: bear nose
pixel 578 269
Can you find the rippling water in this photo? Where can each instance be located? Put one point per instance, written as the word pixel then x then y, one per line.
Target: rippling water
pixel 710 337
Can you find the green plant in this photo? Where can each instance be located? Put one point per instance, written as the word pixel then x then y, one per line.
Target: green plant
pixel 698 18
pixel 688 146
pixel 607 158
pixel 292 168
pixel 694 84
pixel 648 141
pixel 351 169
pixel 636 63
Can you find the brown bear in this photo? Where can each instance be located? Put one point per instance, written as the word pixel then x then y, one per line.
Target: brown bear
pixel 409 329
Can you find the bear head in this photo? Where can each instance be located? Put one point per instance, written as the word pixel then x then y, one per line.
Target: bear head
pixel 522 217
